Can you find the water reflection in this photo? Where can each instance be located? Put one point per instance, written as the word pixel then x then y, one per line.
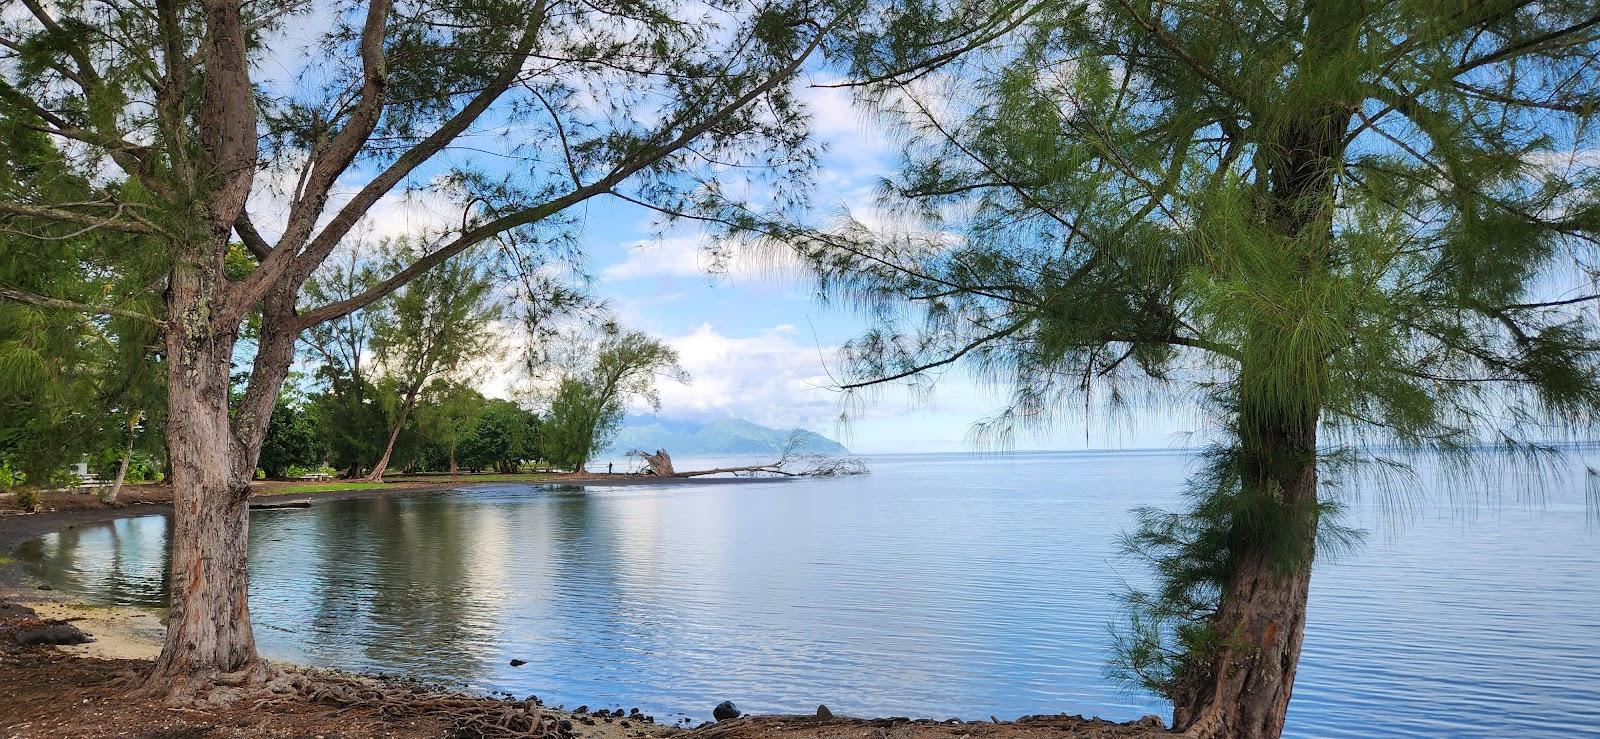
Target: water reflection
pixel 937 586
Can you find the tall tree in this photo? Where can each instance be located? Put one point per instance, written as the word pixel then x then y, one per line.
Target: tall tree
pixel 576 423
pixel 1339 225
pixel 436 324
pixel 588 404
pixel 344 411
pixel 647 101
pixel 448 414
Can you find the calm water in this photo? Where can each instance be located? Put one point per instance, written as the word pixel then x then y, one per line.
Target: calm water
pixel 940 585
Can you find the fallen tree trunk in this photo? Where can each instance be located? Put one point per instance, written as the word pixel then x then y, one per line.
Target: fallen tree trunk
pixel 658 464
pixel 788 465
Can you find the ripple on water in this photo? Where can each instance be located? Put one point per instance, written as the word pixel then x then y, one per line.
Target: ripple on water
pixel 937 586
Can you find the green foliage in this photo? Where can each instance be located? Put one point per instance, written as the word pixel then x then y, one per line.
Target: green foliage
pixel 446 414
pixel 577 424
pixel 587 408
pixel 70 385
pixel 440 322
pixel 350 423
pixel 504 436
pixel 293 441
pixel 376 365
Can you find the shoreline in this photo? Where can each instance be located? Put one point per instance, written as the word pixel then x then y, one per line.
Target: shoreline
pixel 18 528
pixel 126 639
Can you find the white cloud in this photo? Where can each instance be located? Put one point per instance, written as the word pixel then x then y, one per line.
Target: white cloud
pixel 857 147
pixel 678 256
pixel 685 256
pixel 779 378
pixel 772 378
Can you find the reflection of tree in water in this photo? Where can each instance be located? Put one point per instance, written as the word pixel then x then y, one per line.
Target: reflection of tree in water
pixel 442 585
pixel 395 577
pixel 107 562
pixel 125 580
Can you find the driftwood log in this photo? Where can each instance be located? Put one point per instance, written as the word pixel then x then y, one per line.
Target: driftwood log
pixel 658 464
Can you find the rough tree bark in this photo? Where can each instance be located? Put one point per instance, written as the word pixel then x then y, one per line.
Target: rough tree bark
pixel 209 639
pixel 1244 690
pixel 1260 620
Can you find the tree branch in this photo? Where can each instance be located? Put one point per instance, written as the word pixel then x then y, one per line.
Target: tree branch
pixel 23 296
pixel 352 212
pixel 624 169
pixel 80 219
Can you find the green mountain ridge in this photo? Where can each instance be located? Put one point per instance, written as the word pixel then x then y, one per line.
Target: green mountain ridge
pixel 726 437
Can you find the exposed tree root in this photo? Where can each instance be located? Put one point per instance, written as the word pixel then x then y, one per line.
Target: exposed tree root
pixel 214 688
pixel 265 684
pixel 468 717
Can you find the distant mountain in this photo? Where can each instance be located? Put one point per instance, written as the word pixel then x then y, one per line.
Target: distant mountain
pixel 725 438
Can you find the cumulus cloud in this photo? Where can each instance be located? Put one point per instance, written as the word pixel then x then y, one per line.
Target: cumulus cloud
pixel 775 378
pixel 779 377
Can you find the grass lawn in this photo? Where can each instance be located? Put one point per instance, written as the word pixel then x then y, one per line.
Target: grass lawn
pixel 490 477
pixel 322 487
pixel 337 486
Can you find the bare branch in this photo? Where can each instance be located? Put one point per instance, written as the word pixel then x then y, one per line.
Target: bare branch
pixel 80 219
pixel 23 296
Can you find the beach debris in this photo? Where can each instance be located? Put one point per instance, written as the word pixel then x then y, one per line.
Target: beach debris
pixel 725 711
pixel 30 632
pixel 791 463
pixel 823 712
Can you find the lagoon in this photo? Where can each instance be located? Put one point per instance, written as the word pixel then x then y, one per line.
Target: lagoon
pixel 937 586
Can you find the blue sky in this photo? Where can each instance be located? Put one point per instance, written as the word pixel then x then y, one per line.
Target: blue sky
pixel 755 340
pixel 758 343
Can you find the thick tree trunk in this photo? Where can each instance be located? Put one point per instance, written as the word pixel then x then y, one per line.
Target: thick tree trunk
pixel 209 639
pixel 1244 692
pixel 453 471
